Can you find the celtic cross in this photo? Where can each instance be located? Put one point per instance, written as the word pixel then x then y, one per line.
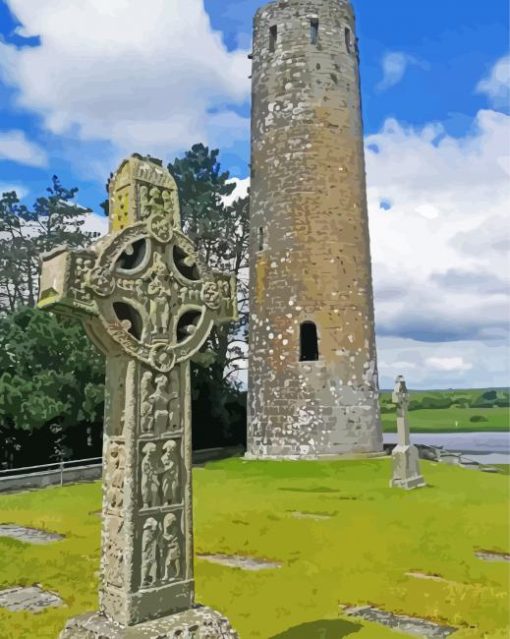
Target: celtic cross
pixel 148 304
pixel 400 397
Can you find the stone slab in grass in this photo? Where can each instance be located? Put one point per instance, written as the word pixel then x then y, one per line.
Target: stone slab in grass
pixel 30 599
pixel 491 555
pixel 238 561
pixel 424 575
pixel 28 535
pixel 410 625
pixel 316 516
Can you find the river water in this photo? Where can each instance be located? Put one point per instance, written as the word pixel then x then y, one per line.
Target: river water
pixel 487 448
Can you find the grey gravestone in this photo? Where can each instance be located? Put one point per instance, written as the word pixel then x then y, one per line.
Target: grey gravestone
pixel 30 599
pixel 148 304
pixel 28 535
pixel 406 465
pixel 244 563
pixel 403 623
pixel 487 555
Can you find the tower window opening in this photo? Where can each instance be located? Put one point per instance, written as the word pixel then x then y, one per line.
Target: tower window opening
pixel 308 342
pixel 348 39
pixel 314 31
pixel 261 238
pixel 273 37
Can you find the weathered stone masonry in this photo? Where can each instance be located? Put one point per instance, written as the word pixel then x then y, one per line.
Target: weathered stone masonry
pixel 310 250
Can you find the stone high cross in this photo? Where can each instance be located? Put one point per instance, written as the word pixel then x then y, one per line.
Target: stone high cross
pixel 148 304
pixel 400 397
pixel 406 467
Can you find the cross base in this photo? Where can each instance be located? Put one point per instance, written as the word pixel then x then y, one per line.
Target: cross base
pixel 197 623
pixel 406 468
pixel 408 483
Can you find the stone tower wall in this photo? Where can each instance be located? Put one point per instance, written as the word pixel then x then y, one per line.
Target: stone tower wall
pixel 309 244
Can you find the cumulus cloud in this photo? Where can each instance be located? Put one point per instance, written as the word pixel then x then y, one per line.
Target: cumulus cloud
pixel 448 364
pixel 440 263
pixel 152 77
pixel 240 190
pixel 15 146
pixel 93 223
pixel 394 66
pixel 496 85
pixel 6 187
pixel 454 365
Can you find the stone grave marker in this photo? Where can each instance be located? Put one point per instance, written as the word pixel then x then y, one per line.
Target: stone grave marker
pixel 28 535
pixel 28 599
pixel 406 466
pixel 148 304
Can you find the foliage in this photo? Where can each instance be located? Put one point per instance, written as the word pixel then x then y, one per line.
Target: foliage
pixel 51 379
pixel 374 536
pixel 26 233
pixel 440 399
pixel 452 420
pixel 218 410
pixel 51 386
pixel 220 233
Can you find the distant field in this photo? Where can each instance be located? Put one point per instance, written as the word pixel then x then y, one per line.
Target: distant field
pixel 457 394
pixel 452 410
pixel 366 540
pixel 452 420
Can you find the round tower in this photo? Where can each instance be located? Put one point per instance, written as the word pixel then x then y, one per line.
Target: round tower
pixel 312 384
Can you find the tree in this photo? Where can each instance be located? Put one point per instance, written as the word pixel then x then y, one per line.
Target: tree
pixel 220 232
pixel 16 262
pixel 27 233
pixel 51 387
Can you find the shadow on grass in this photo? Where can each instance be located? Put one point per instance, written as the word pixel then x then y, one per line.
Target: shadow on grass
pixel 325 629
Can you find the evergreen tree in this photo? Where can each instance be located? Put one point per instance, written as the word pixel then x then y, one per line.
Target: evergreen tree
pixel 220 233
pixel 27 233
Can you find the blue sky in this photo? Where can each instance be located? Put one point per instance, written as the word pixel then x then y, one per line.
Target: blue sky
pixel 84 83
pixel 456 42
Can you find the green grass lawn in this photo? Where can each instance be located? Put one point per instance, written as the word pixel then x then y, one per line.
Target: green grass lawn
pixel 360 555
pixel 451 420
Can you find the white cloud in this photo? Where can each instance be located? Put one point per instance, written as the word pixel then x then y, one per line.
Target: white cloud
pixel 440 253
pixel 448 364
pixel 462 364
pixel 394 66
pixel 497 83
pixel 94 223
pixel 240 191
pixel 6 187
pixel 151 77
pixel 15 147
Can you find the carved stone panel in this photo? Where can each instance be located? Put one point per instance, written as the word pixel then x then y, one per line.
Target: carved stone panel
pixel 160 403
pixel 162 557
pixel 114 463
pixel 174 410
pixel 170 476
pixel 113 551
pixel 160 473
pixel 82 264
pixel 115 396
